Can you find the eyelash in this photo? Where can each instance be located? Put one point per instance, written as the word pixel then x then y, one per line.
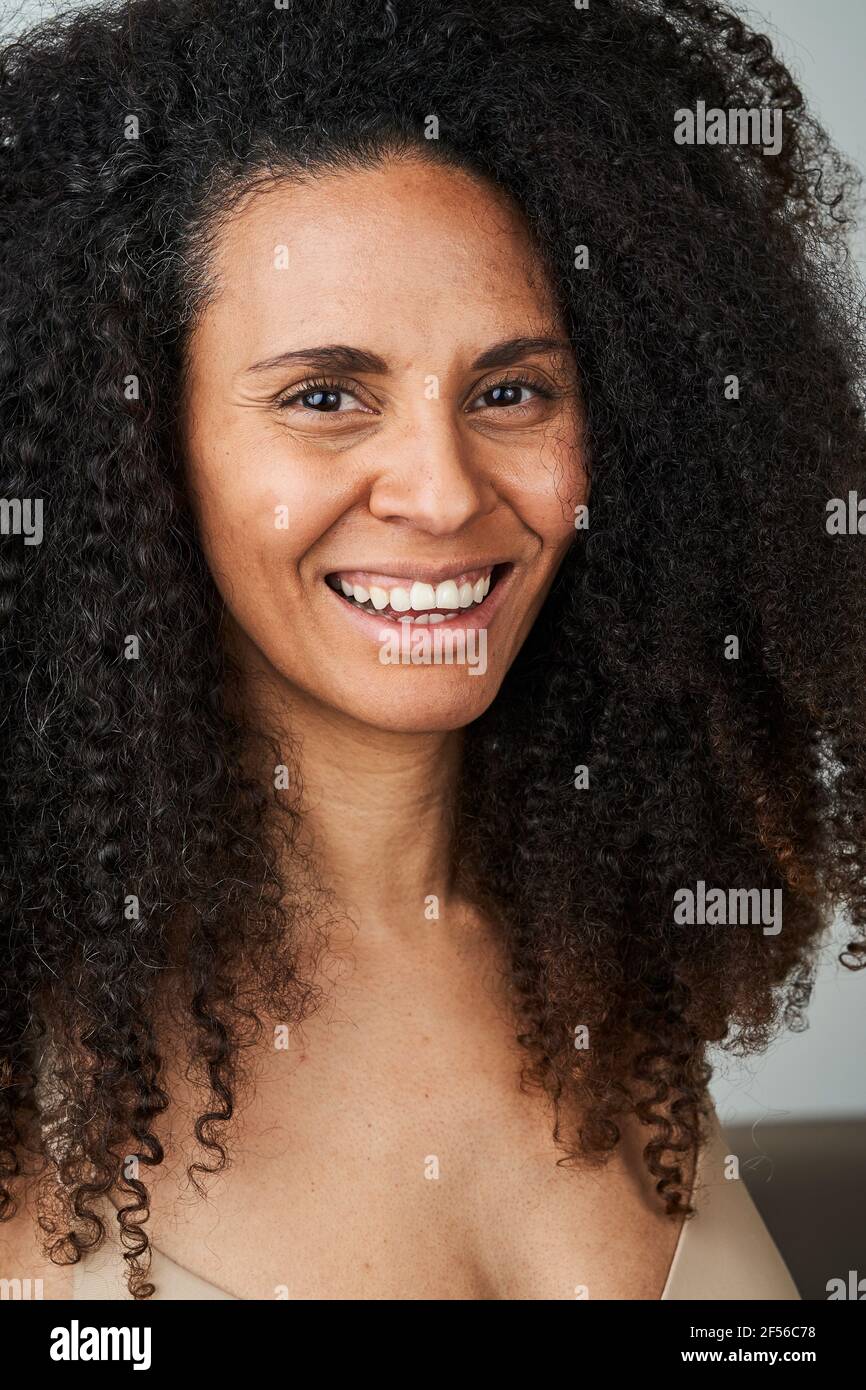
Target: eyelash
pixel 336 386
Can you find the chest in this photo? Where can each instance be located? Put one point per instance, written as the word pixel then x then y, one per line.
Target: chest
pixel 388 1151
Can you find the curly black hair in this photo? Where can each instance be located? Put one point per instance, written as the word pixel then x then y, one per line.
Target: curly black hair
pixel 714 321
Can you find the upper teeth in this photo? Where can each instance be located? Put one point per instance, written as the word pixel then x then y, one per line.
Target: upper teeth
pixel 418 596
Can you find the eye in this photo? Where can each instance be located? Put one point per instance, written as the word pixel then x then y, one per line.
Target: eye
pixel 322 398
pixel 509 394
pixel 514 393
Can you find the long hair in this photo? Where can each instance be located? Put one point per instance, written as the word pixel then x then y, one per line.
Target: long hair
pixel 690 707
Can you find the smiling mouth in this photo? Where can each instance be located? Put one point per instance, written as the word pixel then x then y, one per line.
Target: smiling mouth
pixel 415 600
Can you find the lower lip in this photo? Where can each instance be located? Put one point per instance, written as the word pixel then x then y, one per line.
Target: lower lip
pixel 478 616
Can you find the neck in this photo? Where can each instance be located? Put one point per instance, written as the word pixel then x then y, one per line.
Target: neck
pixel 377 810
pixel 376 806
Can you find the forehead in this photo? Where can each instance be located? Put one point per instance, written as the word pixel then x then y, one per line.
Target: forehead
pixel 408 247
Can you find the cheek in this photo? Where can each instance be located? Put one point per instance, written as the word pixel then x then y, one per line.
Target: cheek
pixel 552 518
pixel 258 512
pixel 547 489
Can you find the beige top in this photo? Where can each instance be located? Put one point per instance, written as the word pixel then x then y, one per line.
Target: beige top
pixel 724 1252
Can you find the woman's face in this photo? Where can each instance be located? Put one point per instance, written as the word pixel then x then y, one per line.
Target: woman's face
pixel 381 416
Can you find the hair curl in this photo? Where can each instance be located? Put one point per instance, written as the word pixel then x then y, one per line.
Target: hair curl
pixel 707 519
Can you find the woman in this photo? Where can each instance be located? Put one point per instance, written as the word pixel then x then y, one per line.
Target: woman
pixel 435 703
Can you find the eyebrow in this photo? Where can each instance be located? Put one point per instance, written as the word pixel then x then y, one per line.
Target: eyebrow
pixel 340 357
pixel 515 349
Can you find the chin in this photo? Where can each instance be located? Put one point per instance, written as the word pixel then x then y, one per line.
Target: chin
pixel 422 701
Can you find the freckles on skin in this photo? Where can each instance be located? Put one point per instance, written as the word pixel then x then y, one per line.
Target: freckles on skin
pixel 425 269
pixel 246 498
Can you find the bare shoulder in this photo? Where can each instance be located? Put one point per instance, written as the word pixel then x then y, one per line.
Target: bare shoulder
pixel 25 1270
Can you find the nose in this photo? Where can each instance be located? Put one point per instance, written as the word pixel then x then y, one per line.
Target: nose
pixel 429 478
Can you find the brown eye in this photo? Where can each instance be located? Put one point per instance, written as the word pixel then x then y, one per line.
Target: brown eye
pixel 321 400
pixel 509 394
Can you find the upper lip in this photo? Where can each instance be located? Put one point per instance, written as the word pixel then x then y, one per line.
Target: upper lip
pixel 427 574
